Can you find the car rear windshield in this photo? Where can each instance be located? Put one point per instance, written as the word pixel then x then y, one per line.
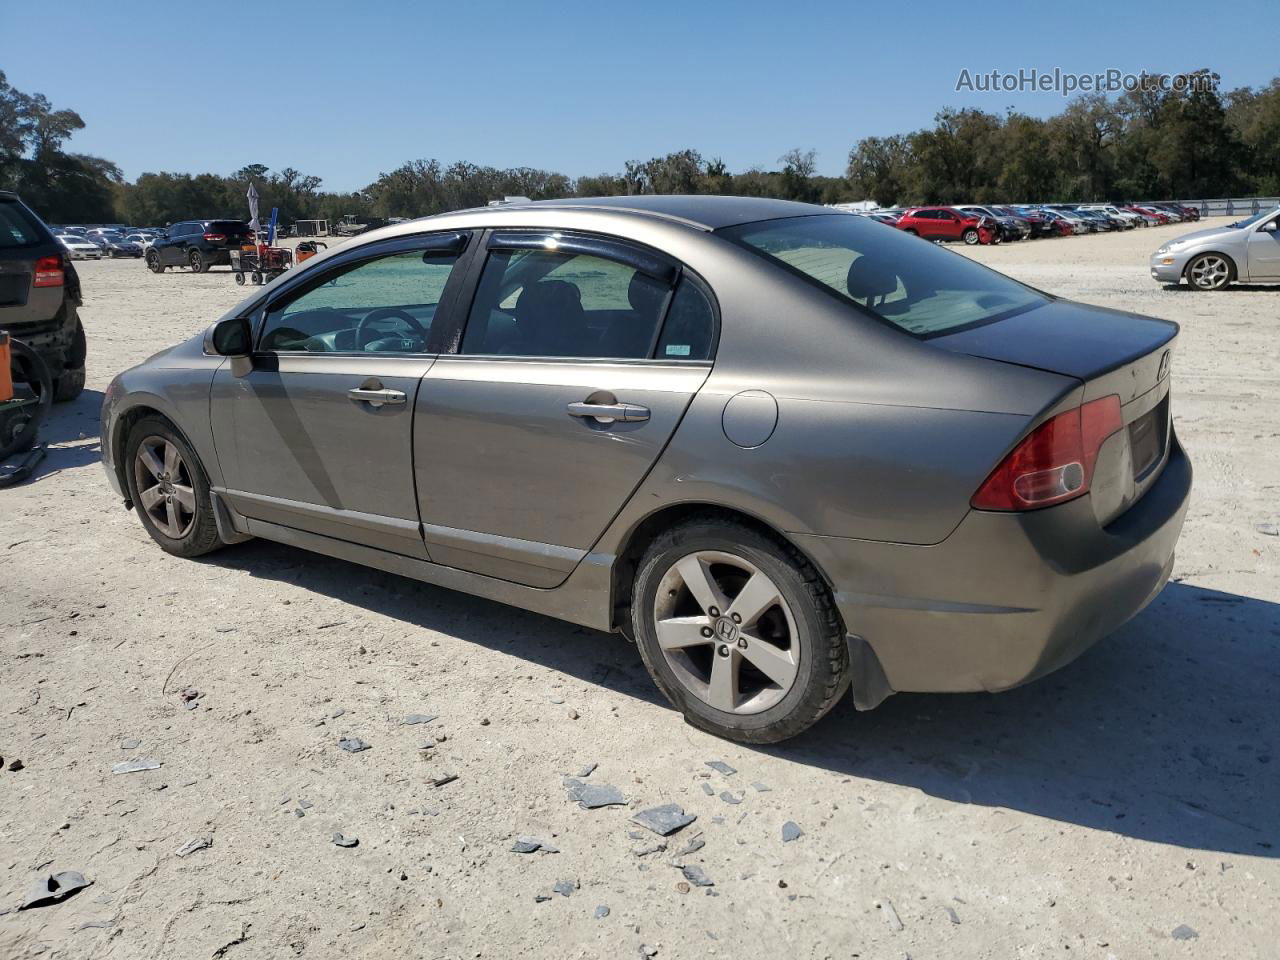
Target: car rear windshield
pixel 227 226
pixel 17 228
pixel 915 285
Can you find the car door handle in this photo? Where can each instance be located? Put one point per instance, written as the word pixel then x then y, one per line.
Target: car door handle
pixel 609 412
pixel 375 398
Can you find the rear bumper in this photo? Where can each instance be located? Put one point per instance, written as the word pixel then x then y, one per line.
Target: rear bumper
pixel 1007 598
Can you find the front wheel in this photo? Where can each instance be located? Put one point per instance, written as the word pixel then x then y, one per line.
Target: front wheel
pixel 738 631
pixel 153 262
pixel 970 236
pixel 169 489
pixel 1209 271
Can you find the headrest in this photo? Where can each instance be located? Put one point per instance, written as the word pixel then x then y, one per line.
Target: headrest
pixel 644 293
pixel 548 296
pixel 869 277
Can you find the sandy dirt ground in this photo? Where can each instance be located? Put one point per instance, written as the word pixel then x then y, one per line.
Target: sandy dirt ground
pixel 1126 807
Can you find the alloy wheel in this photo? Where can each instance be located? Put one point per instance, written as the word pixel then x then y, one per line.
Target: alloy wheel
pixel 1209 272
pixel 165 490
pixel 726 632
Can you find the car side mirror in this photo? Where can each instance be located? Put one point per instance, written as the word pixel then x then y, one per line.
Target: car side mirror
pixel 1270 226
pixel 231 338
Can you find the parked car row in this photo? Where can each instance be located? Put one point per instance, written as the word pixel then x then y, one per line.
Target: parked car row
pixel 999 223
pixel 106 241
pixel 195 244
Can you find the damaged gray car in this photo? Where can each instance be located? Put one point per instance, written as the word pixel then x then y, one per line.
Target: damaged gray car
pixel 786 451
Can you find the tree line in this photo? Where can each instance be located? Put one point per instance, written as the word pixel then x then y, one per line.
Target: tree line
pixel 1184 142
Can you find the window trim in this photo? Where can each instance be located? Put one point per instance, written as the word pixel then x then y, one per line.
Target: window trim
pixel 497 239
pixel 301 286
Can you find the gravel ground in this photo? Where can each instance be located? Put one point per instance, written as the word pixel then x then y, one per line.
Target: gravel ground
pixel 1126 807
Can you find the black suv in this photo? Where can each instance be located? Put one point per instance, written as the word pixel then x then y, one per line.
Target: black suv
pixel 40 295
pixel 198 244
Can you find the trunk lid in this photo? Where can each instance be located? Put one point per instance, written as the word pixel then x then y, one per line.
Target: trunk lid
pixel 1109 352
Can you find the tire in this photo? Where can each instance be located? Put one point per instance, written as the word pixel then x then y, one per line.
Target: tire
pixel 798 628
pixel 153 262
pixel 190 533
pixel 21 432
pixel 239 279
pixel 198 262
pixel 69 383
pixel 970 236
pixel 1210 271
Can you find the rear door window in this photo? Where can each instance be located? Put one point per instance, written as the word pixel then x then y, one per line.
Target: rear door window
pixel 547 303
pixel 17 228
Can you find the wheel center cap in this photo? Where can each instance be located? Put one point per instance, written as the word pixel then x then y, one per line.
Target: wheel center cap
pixel 726 630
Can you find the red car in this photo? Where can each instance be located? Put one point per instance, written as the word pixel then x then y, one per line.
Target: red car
pixel 943 223
pixel 1160 215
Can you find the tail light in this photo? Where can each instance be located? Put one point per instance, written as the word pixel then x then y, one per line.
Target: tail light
pixel 49 272
pixel 1055 462
pixel 218 237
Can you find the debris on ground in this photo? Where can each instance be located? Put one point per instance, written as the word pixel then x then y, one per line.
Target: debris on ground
pixel 54 887
pixel 601 912
pixel 130 744
pixel 1183 932
pixel 586 770
pixel 760 788
pixel 709 790
pixel 728 797
pixel 340 840
pixel 1268 529
pixel 414 719
pixel 719 766
pixel 791 831
pixel 694 845
pixel 353 744
pixel 648 951
pixel 664 820
pixel 565 887
pixel 136 766
pixel 890 915
pixel 589 796
pixel 447 778
pixel 15 765
pixel 532 844
pixel 192 845
pixel 651 848
pixel 696 875
pixel 189 696
pixel 952 915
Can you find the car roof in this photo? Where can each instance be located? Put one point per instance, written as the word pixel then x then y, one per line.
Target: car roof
pixel 706 211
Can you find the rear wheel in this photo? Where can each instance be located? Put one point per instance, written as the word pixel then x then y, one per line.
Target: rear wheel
pixel 18 430
pixel 198 262
pixel 738 631
pixel 169 489
pixel 1210 271
pixel 69 384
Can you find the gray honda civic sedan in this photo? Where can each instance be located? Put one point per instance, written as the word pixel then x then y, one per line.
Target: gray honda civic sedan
pixel 786 451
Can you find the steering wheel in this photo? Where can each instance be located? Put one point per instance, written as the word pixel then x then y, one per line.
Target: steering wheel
pixel 385 313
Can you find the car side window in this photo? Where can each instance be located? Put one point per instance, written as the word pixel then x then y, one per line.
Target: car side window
pixel 382 305
pixel 548 303
pixel 690 327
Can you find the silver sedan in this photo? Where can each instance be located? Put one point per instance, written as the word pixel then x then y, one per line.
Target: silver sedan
pixel 786 451
pixel 1247 251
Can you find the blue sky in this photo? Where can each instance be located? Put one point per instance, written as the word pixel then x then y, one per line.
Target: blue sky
pixel 570 86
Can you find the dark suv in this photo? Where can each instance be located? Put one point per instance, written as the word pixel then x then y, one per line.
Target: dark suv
pixel 40 295
pixel 198 244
